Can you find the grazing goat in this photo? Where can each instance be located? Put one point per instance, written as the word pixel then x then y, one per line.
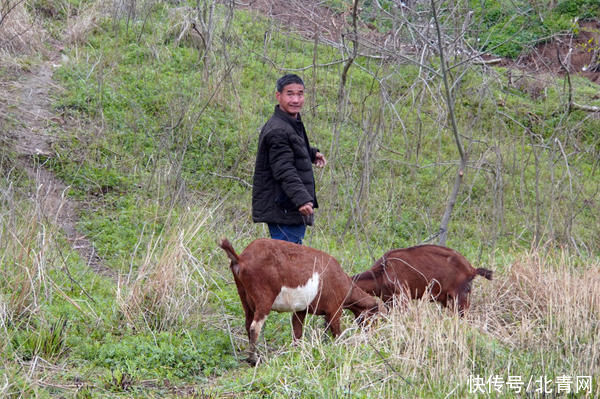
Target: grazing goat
pixel 285 277
pixel 411 271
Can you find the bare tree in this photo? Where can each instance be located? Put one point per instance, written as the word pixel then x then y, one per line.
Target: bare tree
pixel 205 24
pixel 341 97
pixel 452 117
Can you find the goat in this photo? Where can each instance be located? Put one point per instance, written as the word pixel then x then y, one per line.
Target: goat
pixel 286 277
pixel 410 271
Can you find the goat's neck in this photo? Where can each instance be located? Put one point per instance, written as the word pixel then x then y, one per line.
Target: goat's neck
pixel 367 282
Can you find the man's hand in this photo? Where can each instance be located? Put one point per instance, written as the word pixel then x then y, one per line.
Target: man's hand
pixel 307 209
pixel 320 160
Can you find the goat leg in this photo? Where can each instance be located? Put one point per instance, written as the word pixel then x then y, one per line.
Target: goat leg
pixel 253 334
pixel 298 323
pixel 333 322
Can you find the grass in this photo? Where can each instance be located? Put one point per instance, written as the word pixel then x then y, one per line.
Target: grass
pixel 537 319
pixel 159 148
pixel 514 329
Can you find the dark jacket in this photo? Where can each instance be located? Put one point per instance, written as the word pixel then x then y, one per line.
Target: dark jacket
pixel 283 175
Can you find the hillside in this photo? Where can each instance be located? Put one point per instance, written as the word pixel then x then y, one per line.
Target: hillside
pixel 128 141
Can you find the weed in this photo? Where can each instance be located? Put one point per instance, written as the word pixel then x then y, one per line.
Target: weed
pixel 198 353
pixel 46 341
pixel 84 393
pixel 118 381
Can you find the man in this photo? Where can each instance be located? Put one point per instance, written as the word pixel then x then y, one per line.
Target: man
pixel 283 192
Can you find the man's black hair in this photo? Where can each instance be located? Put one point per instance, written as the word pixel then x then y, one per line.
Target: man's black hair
pixel 288 79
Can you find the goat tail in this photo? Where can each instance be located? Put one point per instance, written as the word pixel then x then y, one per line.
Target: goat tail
pixel 228 248
pixel 485 273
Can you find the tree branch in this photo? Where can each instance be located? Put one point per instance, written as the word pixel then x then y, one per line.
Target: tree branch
pixel 451 115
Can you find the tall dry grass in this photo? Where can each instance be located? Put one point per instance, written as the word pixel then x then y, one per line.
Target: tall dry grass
pixel 27 257
pixel 84 22
pixel 538 318
pixel 171 284
pixel 20 33
pixel 548 302
pixel 25 242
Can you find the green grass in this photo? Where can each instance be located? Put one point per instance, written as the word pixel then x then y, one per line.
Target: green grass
pixel 158 149
pixel 196 354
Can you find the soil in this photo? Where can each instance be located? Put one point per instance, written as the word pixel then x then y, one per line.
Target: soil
pixel 30 131
pixel 576 54
pixel 25 104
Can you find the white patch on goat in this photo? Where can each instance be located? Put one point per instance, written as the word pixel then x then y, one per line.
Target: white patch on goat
pixel 298 298
pixel 257 325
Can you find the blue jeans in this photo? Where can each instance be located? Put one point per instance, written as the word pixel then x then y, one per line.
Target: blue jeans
pixel 287 232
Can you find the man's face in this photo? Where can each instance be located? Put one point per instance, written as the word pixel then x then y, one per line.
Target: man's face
pixel 291 98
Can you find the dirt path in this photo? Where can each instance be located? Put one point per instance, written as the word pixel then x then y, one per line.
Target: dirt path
pixel 30 129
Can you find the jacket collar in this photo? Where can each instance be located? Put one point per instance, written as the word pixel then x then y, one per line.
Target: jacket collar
pixel 287 117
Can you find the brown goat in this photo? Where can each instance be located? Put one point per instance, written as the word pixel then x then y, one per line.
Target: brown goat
pixel 285 277
pixel 412 271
